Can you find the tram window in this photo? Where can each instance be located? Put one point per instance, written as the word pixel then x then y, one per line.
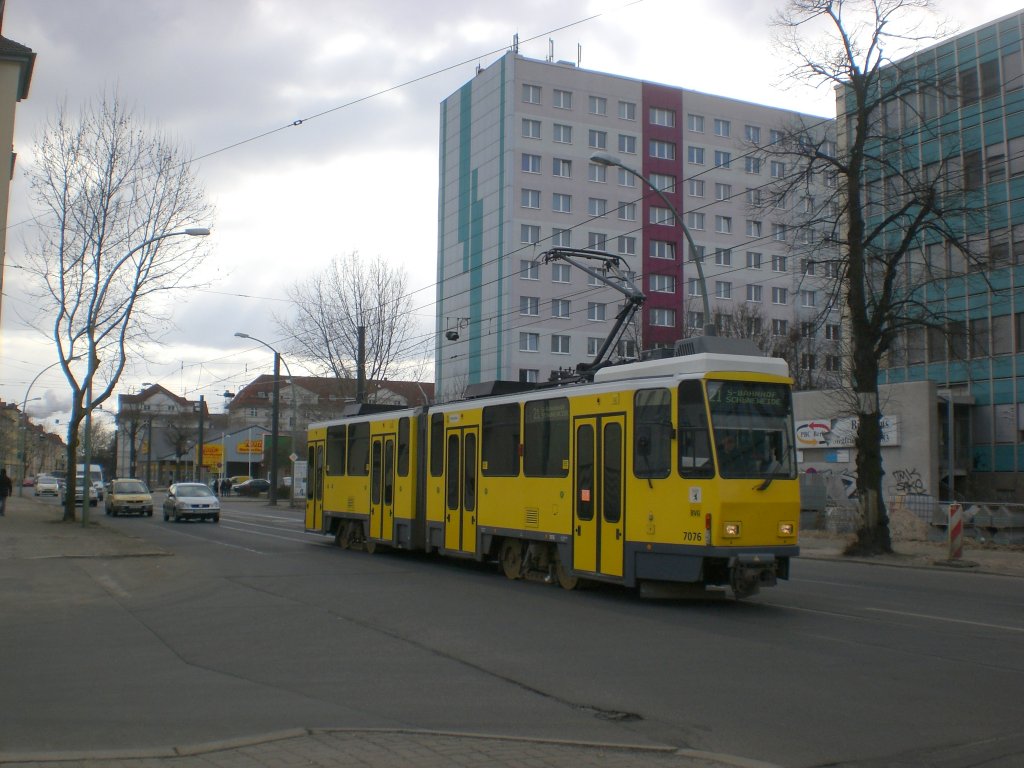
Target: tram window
pixel 546 438
pixel 652 433
pixel 311 463
pixel 375 474
pixel 336 450
pixel 694 441
pixel 358 448
pixel 611 484
pixel 585 472
pixel 500 448
pixel 469 483
pixel 437 444
pixel 389 472
pixel 403 446
pixel 453 472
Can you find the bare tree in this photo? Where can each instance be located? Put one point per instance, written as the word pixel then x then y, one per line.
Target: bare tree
pixel 888 214
pixel 331 306
pixel 110 190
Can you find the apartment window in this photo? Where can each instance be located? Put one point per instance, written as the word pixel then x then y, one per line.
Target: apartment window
pixel 562 99
pixel 807 362
pixel 833 363
pixel 722 127
pixel 627 245
pixel 777 168
pixel 593 281
pixel 693 287
pixel 597 139
pixel 595 311
pixel 695 155
pixel 695 220
pixel 723 257
pixel 779 231
pixel 753 228
pixel 722 158
pixel 627 144
pixel 627 211
pixel 753 326
pixel 560 272
pixel 663 181
pixel 697 253
pixel 529 342
pixel 529 375
pixel 597 105
pixel 531 128
pixel 562 134
pixel 661 283
pixel 780 296
pixel 754 198
pixel 627 110
pixel 597 172
pixel 529 305
pixel 529 233
pixel 560 167
pixel 665 150
pixel 560 344
pixel 754 293
pixel 752 164
pixel 695 123
pixel 723 191
pixel 529 270
pixel 662 216
pixel 695 188
pixel 778 263
pixel 723 289
pixel 807 266
pixel 780 327
pixel 723 225
pixel 561 203
pixel 597 241
pixel 752 134
pixel 593 345
pixel 597 206
pixel 529 198
pixel 659 249
pixel 531 163
pixel 694 319
pixel 665 117
pixel 832 331
pixel 775 136
pixel 663 318
pixel 626 179
pixel 531 94
pixel 753 260
pixel 561 238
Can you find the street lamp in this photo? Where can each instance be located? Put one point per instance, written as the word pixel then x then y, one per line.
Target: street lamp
pixel 275 418
pixel 604 159
pixel 24 419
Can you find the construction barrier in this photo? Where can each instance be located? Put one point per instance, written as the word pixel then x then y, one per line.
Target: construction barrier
pixel 955 532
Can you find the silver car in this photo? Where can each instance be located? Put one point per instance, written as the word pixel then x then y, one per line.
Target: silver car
pixel 191 500
pixel 47 486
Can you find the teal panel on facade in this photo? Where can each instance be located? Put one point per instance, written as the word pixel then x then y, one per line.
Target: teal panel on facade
pixel 896 375
pixel 994 127
pixel 988 43
pixel 936 371
pixel 1002 388
pixel 956 305
pixel 981 458
pixel 916 373
pixel 957 372
pixel 982 391
pixel 1019 365
pixel 979 369
pixel 1004 458
pixel 1001 297
pixel 956 289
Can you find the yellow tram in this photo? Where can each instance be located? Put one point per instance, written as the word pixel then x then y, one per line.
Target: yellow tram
pixel 669 474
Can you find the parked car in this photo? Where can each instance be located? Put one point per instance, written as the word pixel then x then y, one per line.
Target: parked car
pixel 47 486
pixel 28 482
pixel 80 485
pixel 237 479
pixel 129 496
pixel 252 487
pixel 191 500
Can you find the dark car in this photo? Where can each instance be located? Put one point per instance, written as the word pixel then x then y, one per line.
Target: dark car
pixel 253 487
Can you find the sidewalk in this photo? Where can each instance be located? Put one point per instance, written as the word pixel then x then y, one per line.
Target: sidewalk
pixel 32 529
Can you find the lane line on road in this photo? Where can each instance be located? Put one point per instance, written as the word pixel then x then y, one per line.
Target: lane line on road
pixel 221 543
pixel 946 619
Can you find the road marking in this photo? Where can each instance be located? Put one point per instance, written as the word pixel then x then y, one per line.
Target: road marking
pixel 946 619
pixel 260 533
pixel 221 543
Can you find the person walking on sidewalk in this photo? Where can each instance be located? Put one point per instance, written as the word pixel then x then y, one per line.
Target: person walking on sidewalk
pixel 6 489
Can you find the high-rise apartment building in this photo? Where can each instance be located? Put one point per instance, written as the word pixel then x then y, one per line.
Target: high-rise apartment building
pixel 518 178
pixel 964 117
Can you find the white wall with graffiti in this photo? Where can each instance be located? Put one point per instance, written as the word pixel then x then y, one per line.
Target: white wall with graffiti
pixel 826 430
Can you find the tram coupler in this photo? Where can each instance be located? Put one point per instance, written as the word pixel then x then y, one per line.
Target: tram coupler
pixel 748 572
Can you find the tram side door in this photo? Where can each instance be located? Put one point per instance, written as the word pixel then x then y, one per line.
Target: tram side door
pixel 382 487
pixel 461 447
pixel 598 520
pixel 315 486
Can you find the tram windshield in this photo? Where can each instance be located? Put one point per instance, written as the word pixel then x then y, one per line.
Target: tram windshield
pixel 752 423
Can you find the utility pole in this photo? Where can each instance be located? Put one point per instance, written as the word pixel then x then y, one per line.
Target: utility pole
pixel 274 430
pixel 199 445
pixel 361 366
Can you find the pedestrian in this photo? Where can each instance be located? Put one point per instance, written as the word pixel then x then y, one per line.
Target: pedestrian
pixel 6 489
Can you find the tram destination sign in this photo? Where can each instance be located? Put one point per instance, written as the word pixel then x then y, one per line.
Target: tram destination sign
pixel 770 399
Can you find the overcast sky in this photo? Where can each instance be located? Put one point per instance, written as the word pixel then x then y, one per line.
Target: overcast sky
pixel 362 176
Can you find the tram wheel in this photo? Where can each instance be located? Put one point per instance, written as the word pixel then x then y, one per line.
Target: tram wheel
pixel 565 578
pixel 512 558
pixel 341 536
pixel 370 546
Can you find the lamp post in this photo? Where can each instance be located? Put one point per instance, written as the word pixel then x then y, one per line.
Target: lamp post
pixel 275 418
pixel 604 159
pixel 24 420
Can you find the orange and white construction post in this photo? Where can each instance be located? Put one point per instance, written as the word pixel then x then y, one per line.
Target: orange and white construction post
pixel 955 532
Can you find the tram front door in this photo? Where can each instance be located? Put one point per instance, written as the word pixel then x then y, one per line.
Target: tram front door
pixel 598 519
pixel 315 486
pixel 382 487
pixel 460 489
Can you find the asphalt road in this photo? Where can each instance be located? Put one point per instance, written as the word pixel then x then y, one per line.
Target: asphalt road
pixel 252 626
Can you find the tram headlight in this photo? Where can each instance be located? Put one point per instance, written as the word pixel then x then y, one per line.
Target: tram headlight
pixel 731 530
pixel 786 529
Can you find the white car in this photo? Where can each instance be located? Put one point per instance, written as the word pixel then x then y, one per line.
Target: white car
pixel 47 486
pixel 94 497
pixel 191 500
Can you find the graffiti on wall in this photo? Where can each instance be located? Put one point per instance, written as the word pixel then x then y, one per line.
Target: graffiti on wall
pixel 908 481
